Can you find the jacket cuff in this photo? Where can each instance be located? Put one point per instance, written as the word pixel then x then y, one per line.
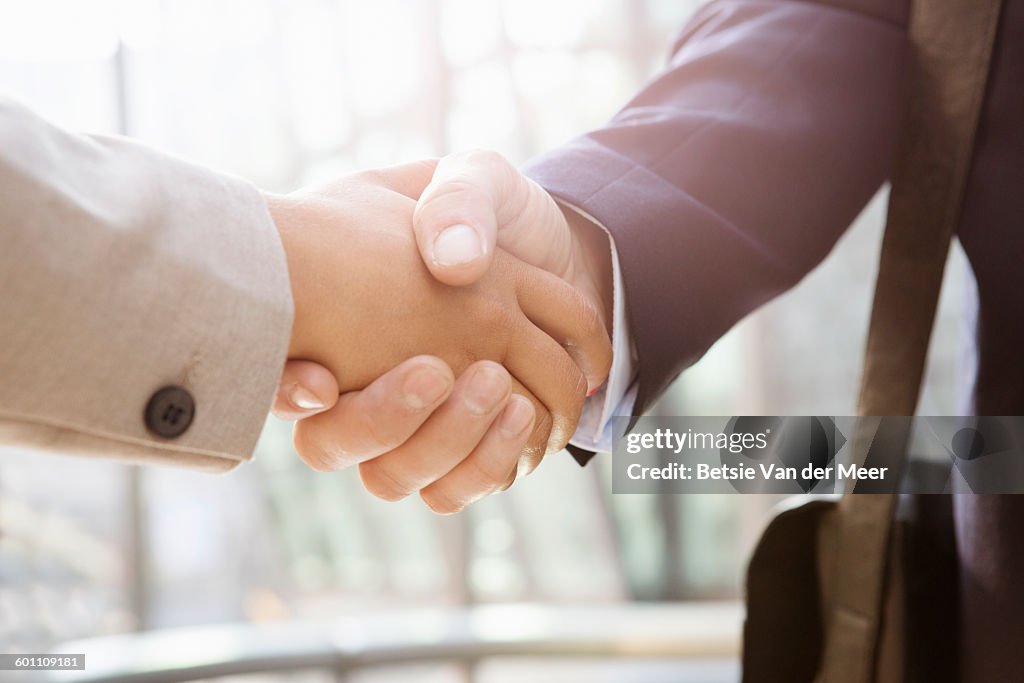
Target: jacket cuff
pixel 129 271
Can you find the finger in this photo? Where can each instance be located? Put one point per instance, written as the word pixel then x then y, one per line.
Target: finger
pixel 382 416
pixel 537 443
pixel 476 200
pixel 566 315
pixel 491 463
pixel 305 389
pixel 537 360
pixel 450 434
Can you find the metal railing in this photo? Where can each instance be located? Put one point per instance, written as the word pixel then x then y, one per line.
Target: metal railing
pixel 678 632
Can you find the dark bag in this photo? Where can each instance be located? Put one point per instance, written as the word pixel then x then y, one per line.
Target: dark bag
pixel 826 599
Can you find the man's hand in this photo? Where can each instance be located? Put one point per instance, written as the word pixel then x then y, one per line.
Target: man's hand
pixel 365 302
pixel 478 200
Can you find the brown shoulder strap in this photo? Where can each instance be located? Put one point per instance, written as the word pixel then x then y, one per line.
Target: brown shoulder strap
pixel 951 49
pixel 951 46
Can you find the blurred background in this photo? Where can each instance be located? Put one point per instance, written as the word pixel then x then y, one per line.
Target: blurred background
pixel 290 93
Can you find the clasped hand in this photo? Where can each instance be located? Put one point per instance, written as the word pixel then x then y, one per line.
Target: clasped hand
pixel 449 323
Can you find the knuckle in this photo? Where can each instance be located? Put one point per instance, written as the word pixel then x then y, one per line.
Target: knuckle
pixel 370 176
pixel 502 172
pixel 382 482
pixel 378 435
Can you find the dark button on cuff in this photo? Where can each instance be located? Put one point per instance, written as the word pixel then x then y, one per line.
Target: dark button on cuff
pixel 169 412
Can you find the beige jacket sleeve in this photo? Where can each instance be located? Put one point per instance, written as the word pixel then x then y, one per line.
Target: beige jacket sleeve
pixel 124 271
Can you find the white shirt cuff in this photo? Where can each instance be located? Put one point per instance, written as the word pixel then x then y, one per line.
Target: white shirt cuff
pixel 618 394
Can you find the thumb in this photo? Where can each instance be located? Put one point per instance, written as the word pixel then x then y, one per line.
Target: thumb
pixel 477 200
pixel 306 388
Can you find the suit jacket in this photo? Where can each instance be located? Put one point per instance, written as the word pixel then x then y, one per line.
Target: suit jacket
pixel 125 271
pixel 731 174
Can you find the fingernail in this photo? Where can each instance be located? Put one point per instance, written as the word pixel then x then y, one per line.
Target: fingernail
pixel 487 388
pixel 424 387
pixel 457 244
pixel 303 398
pixel 516 417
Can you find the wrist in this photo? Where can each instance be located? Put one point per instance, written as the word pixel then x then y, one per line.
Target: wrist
pixel 282 213
pixel 592 262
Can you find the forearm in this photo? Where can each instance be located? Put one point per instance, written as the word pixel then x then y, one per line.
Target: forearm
pixel 125 271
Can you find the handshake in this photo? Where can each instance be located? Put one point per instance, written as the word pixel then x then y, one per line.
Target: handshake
pixel 450 320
